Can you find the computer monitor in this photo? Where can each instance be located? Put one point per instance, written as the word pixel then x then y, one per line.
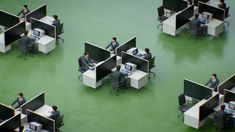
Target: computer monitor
pixel 37 13
pixel 6 112
pixel 228 96
pixel 96 53
pixel 11 124
pixel 34 103
pixel 231 105
pixel 8 20
pixel 36 32
pixel 133 51
pixel 184 17
pixel 35 126
pixel 126 46
pixel 196 91
pixel 130 67
pixel 50 30
pixel 227 84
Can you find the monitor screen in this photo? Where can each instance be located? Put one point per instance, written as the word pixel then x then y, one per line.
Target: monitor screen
pixel 231 105
pixel 32 127
pixel 135 52
pixel 36 33
pixel 128 67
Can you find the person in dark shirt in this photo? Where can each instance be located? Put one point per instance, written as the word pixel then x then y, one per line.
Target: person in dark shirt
pixel 56 21
pixel 19 101
pixel 55 113
pixel 85 62
pixel 222 4
pixel 219 117
pixel 147 55
pixel 24 11
pixel 113 45
pixel 200 28
pixel 213 82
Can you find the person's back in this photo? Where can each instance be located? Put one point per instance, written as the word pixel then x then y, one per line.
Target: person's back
pixel 116 78
pixel 220 116
pixel 147 56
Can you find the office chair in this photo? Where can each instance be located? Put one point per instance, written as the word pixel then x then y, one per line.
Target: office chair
pixel 79 69
pixel 226 16
pixel 26 48
pixel 59 31
pixel 122 85
pixel 59 122
pixel 194 30
pixel 182 105
pixel 151 66
pixel 161 15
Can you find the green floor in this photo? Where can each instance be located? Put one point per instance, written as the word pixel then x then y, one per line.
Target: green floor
pixel 153 109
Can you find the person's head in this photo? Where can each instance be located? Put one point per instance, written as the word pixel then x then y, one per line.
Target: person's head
pixel 114 39
pixel 55 17
pixel 196 16
pixel 25 7
pixel 221 1
pixel 26 33
pixel 54 108
pixel 118 68
pixel 222 107
pixel 146 50
pixel 21 95
pixel 86 55
pixel 214 76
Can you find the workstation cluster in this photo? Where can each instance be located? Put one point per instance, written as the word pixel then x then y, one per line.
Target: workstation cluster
pixel 175 15
pixel 199 102
pixel 127 55
pixel 32 115
pixel 38 24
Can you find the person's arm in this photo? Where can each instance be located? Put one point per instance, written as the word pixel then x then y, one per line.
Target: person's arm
pixel 216 83
pixel 14 102
pixel 20 12
pixel 108 45
pixel 208 82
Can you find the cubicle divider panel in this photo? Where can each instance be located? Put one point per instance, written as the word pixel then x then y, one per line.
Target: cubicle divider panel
pixel 196 91
pixel 37 13
pixel 126 46
pixel 48 124
pixel 142 64
pixel 50 30
pixel 227 84
pixel 6 112
pixel 184 17
pixel 175 5
pixel 11 124
pixel 14 33
pixel 96 53
pixel 229 96
pixel 8 20
pixel 195 2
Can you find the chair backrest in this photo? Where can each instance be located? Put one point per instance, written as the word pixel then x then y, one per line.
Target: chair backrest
pixel 59 29
pixel 193 27
pixel 80 62
pixel 151 63
pixel 60 121
pixel 160 11
pixel 227 12
pixel 181 99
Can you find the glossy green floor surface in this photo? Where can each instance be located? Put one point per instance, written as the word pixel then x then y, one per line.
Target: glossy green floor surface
pixel 153 109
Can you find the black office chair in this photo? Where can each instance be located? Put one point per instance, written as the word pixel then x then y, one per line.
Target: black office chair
pixel 161 15
pixel 194 30
pixel 226 16
pixel 182 105
pixel 151 66
pixel 59 122
pixel 79 69
pixel 121 86
pixel 59 31
pixel 26 48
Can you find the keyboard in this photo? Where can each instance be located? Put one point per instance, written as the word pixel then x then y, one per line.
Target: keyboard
pixel 203 21
pixel 124 71
pixel 229 111
pixel 33 37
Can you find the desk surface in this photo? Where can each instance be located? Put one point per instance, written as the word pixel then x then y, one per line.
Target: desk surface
pixel 45 110
pixel 47 19
pixel 44 40
pixel 226 107
pixel 194 111
pixel 137 74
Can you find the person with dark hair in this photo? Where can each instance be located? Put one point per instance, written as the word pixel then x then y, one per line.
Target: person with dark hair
pixel 56 21
pixel 201 29
pixel 147 55
pixel 113 45
pixel 222 4
pixel 25 43
pixel 219 117
pixel 85 62
pixel 20 101
pixel 24 11
pixel 55 113
pixel 213 82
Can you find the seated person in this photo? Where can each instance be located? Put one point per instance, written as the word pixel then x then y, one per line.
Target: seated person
pixel 147 55
pixel 24 11
pixel 20 101
pixel 25 42
pixel 213 82
pixel 222 4
pixel 56 21
pixel 200 28
pixel 85 62
pixel 113 45
pixel 219 117
pixel 118 78
pixel 55 113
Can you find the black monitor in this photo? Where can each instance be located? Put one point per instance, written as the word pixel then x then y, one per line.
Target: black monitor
pixel 96 53
pixel 208 107
pixel 175 5
pixel 105 68
pixel 38 13
pixel 142 64
pixel 195 2
pixel 217 12
pixel 184 17
pixel 8 20
pixel 126 46
pixel 50 30
pixel 227 84
pixel 229 96
pixel 11 124
pixel 34 103
pixel 47 123
pixel 196 91
pixel 14 33
pixel 6 112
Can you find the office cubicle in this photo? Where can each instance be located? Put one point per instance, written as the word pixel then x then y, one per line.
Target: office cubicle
pixel 217 12
pixel 96 53
pixel 196 91
pixel 142 64
pixel 126 46
pixel 227 84
pixel 229 96
pixel 11 124
pixel 6 112
pixel 14 33
pixel 195 2
pixel 208 107
pixel 50 30
pixel 38 13
pixel 47 123
pixel 34 103
pixel 8 20
pixel 105 68
pixel 175 5
pixel 184 17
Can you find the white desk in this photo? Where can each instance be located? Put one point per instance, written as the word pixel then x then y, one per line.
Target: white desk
pixel 3 48
pixel 26 126
pixel 89 79
pixel 45 110
pixel 215 27
pixel 169 25
pixel 191 116
pixel 23 117
pixel 47 19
